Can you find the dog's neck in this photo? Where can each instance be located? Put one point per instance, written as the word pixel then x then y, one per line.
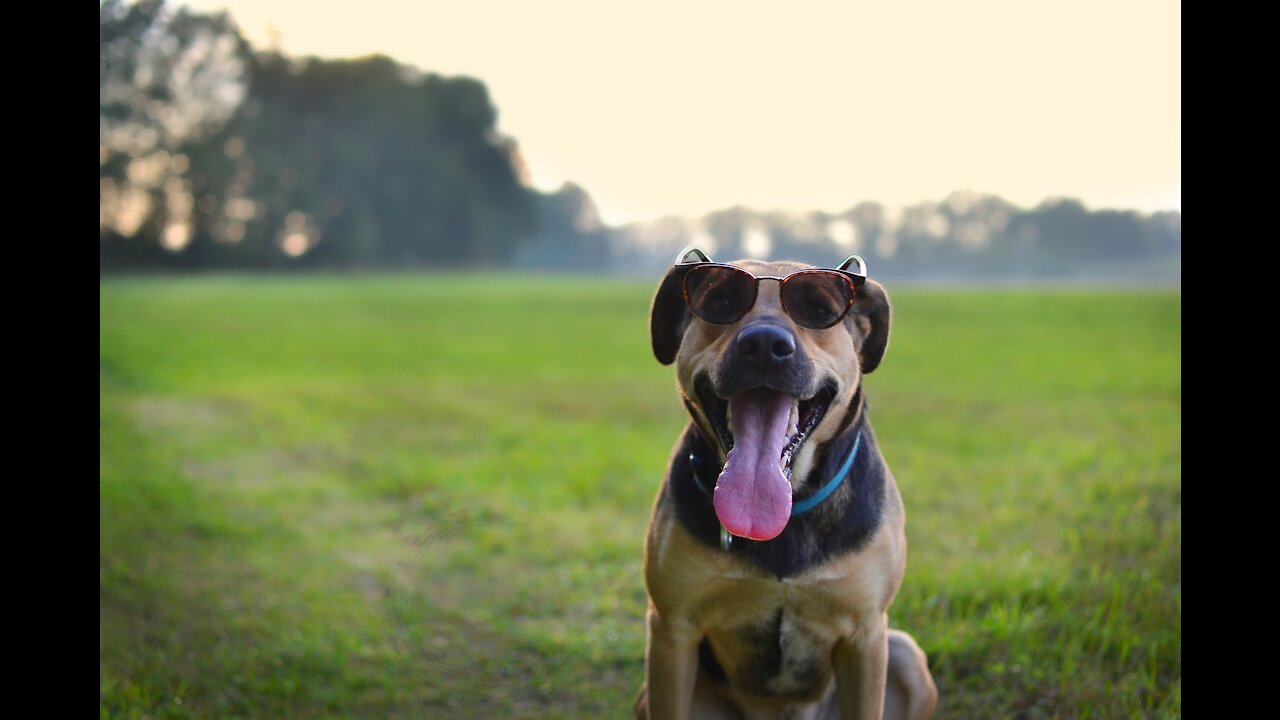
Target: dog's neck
pixel 836 510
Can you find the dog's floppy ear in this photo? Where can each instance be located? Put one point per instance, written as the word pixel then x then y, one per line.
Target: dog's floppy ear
pixel 871 314
pixel 667 316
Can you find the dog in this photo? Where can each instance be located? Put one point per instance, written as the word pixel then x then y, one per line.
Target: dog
pixel 776 542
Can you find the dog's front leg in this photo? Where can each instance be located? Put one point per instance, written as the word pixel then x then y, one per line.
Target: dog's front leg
pixel 861 665
pixel 671 666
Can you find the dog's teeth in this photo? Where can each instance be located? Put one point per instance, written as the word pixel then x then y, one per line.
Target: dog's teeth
pixel 793 423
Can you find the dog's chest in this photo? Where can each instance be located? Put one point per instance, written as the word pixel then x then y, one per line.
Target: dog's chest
pixel 774 638
pixel 762 635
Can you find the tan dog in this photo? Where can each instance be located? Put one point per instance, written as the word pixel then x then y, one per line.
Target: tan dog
pixel 792 623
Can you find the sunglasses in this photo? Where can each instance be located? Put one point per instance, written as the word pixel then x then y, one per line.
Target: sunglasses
pixel 815 298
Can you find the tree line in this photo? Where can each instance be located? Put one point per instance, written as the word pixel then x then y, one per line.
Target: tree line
pixel 217 156
pixel 965 236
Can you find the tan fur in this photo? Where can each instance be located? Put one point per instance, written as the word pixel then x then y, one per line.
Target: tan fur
pixel 698 592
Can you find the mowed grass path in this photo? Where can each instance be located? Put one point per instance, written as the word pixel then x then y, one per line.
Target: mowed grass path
pixel 425 496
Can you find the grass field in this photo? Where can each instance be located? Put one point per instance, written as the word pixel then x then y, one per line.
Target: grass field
pixel 425 496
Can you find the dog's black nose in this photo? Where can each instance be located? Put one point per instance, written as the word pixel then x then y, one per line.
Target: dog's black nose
pixel 765 345
pixel 764 354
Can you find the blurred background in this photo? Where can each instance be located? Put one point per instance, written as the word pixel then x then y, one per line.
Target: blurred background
pixel 380 426
pixel 944 144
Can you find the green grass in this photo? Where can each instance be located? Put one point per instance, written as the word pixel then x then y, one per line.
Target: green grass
pixel 425 496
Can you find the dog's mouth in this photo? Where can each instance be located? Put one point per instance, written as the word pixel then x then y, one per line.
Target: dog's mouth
pixel 761 431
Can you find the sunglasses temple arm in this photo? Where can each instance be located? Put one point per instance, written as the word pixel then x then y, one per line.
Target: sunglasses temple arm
pixel 862 264
pixel 691 249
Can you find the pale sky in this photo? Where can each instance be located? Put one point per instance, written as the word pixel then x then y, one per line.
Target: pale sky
pixel 661 107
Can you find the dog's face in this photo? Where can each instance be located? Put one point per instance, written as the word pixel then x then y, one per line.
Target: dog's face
pixel 765 392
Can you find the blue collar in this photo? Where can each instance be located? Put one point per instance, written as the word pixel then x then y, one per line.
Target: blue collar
pixel 816 499
pixel 809 503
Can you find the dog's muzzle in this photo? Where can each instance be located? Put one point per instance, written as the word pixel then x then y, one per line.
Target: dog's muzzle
pixel 762 406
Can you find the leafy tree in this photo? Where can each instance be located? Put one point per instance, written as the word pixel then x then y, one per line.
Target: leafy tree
pixel 168 79
pixel 214 156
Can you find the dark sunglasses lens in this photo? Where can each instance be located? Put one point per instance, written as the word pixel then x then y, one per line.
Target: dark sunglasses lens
pixel 817 299
pixel 719 295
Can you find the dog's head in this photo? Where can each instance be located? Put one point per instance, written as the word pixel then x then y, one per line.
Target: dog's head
pixel 765 392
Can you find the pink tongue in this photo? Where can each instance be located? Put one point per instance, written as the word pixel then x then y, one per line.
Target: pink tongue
pixel 753 497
